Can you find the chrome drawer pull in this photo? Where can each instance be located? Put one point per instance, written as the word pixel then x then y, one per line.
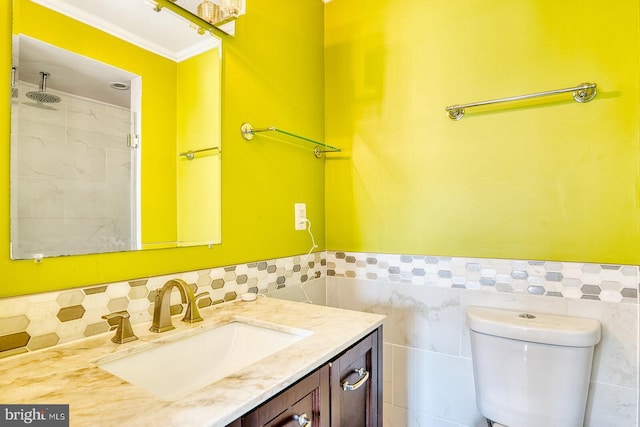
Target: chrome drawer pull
pixel 364 376
pixel 303 420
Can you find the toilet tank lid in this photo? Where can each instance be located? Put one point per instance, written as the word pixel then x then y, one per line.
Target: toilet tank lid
pixel 534 327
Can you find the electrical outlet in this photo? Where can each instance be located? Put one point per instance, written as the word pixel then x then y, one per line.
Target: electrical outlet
pixel 300 215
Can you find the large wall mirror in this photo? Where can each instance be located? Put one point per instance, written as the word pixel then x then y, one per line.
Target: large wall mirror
pixel 115 129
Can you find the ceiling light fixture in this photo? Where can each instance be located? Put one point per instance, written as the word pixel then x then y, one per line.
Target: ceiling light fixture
pixel 119 85
pixel 208 16
pixel 218 13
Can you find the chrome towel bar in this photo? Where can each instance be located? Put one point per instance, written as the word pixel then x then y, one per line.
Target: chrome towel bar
pixel 584 92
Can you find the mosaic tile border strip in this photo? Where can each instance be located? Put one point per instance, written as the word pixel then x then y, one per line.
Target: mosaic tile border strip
pixel 602 282
pixel 34 322
pixel 45 320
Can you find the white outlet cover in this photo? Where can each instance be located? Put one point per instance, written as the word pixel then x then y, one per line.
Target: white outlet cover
pixel 300 216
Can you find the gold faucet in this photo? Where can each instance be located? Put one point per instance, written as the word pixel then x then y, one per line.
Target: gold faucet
pixel 162 310
pixel 120 320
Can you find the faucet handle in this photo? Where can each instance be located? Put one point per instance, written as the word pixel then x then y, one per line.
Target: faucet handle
pixel 120 320
pixel 201 295
pixel 192 315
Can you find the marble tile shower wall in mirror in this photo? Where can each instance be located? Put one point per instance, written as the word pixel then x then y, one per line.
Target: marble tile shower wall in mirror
pixel 98 124
pixel 73 175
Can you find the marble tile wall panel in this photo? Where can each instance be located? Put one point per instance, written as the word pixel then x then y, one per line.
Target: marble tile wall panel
pixel 99 118
pixel 394 416
pixel 66 157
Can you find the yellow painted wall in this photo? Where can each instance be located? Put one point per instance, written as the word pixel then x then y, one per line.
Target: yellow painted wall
pixel 546 179
pixel 198 121
pixel 272 75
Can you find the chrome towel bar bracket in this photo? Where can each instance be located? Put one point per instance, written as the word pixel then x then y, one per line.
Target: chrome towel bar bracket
pixel 192 153
pixel 584 92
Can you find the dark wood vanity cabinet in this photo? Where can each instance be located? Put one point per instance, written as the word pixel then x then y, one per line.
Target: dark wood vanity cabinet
pixel 346 392
pixel 304 403
pixel 356 384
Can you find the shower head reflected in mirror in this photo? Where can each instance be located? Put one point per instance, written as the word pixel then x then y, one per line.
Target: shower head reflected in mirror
pixel 41 95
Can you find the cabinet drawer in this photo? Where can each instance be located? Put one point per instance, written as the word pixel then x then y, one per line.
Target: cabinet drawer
pixel 299 413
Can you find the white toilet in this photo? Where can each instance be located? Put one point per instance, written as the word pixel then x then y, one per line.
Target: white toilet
pixel 531 370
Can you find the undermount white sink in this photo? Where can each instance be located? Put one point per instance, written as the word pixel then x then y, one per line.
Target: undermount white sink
pixel 172 370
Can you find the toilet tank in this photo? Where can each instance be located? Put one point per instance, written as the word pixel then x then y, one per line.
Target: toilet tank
pixel 531 369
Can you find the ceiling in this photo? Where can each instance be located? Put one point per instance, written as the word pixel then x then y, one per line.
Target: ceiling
pixel 70 72
pixel 135 21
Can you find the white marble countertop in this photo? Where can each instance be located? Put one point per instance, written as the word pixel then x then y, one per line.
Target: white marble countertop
pixel 66 374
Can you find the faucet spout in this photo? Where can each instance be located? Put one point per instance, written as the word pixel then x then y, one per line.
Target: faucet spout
pixel 162 309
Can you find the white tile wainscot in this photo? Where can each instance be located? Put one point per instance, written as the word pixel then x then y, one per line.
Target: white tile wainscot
pixel 428 370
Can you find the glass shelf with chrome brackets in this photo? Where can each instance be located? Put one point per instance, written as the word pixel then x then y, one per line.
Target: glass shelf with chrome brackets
pixel 248 133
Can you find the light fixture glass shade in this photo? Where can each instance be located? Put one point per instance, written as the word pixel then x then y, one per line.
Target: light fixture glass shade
pixel 214 13
pixel 207 11
pixel 230 7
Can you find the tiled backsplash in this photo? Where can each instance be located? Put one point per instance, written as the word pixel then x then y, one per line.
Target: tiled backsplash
pixel 38 321
pixel 604 282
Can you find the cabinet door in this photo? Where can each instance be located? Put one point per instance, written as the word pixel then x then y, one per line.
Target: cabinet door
pixel 356 384
pixel 302 413
pixel 306 403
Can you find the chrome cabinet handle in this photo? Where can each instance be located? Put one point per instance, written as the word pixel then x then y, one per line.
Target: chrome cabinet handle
pixel 303 420
pixel 364 376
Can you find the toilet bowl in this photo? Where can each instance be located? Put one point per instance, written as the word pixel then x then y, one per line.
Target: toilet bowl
pixel 530 369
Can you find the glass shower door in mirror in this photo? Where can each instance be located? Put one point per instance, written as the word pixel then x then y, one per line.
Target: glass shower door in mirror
pixel 73 155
